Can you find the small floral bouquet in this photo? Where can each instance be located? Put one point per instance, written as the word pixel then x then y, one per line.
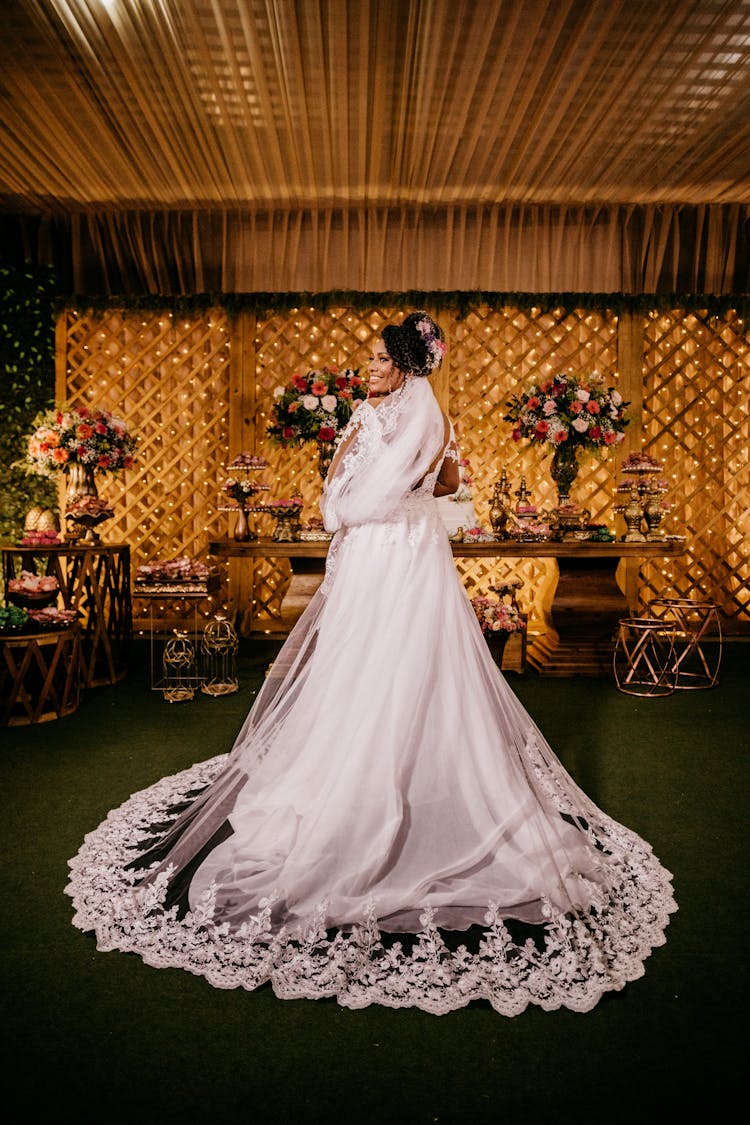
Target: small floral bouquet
pixel 82 436
pixel 242 489
pixel 497 616
pixel 315 406
pixel 584 412
pixel 465 482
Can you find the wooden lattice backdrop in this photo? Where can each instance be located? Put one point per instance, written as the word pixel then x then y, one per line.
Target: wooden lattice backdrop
pixel 199 388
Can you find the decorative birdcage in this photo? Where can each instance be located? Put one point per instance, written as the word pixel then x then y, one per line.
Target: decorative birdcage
pixel 179 674
pixel 219 647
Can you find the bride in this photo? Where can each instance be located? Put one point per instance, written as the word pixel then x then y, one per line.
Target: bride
pixel 387 787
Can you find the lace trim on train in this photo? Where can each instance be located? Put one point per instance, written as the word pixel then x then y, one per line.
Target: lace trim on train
pixel 583 955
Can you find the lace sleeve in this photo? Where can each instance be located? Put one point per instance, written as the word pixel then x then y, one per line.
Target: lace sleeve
pixel 384 456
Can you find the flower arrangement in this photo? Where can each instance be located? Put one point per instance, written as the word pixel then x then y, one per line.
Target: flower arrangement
pixel 315 406
pixel 584 412
pixel 497 616
pixel 465 483
pixel 242 489
pixel 79 435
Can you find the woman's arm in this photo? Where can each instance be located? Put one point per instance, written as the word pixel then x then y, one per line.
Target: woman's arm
pixel 448 478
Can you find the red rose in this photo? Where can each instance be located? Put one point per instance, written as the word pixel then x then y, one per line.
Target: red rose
pixel 355 381
pixel 533 403
pixel 595 432
pixel 516 435
pixel 610 437
pixel 103 461
pixel 101 428
pixel 541 428
pixel 341 382
pixel 326 433
pixel 287 432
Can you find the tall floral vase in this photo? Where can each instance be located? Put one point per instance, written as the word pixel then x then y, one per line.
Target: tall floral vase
pixel 79 482
pixel 325 456
pixel 564 470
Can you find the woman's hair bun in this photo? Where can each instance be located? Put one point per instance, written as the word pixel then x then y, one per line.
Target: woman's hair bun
pixel 417 345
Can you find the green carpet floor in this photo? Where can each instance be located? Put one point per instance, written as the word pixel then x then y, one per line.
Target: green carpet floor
pixel 100 1037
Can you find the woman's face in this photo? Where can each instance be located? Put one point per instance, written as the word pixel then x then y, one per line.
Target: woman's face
pixel 384 376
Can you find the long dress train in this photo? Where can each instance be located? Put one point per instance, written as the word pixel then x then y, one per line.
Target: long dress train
pixel 387 781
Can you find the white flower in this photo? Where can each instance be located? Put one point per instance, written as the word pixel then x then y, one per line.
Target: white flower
pixel 581 423
pixel 279 392
pixel 582 395
pixel 616 397
pixel 328 402
pixel 310 402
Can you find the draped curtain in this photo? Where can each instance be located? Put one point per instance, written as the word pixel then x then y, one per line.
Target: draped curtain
pixel 511 248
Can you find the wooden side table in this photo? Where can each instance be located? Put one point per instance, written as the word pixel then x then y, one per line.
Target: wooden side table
pixel 95 582
pixel 40 675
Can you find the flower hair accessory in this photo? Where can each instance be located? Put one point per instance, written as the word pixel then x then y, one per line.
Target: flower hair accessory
pixel 434 344
pixel 416 345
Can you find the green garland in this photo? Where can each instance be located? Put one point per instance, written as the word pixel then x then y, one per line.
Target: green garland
pixel 461 302
pixel 27 386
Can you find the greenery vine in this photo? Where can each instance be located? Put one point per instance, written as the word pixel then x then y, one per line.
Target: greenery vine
pixel 27 385
pixel 461 302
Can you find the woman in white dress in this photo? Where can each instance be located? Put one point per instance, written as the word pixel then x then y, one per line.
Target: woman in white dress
pixel 386 781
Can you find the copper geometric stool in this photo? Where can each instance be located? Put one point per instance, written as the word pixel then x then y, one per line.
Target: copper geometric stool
pixel 694 666
pixel 644 657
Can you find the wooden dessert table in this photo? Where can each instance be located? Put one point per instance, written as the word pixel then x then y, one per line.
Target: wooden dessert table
pixel 586 609
pixel 39 676
pixel 95 582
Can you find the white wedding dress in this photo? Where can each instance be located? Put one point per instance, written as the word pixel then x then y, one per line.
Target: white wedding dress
pixel 386 781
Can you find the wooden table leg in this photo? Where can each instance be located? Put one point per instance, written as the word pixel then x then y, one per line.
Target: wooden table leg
pixel 586 610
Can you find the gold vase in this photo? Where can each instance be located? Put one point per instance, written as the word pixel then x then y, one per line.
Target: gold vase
pixel 564 470
pixel 80 482
pixel 325 456
pixel 288 529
